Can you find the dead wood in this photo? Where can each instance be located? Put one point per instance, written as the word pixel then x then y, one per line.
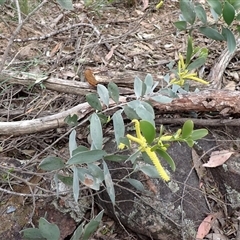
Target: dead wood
pixel 224 102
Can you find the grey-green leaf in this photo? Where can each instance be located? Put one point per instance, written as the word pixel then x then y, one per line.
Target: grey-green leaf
pixel 201 13
pixel 211 33
pixel 118 125
pixel 181 25
pixel 149 170
pixel 91 227
pixel 231 41
pixel 149 83
pixel 78 232
pixel 103 94
pixel 48 230
pixel 66 4
pixel 137 184
pixel 32 234
pixel 138 87
pixel 86 157
pixel 75 184
pixel 216 6
pixel 96 131
pixel 109 183
pixel 162 99
pixel 188 11
pixel 51 163
pixel 72 142
pixel 197 63
pixel 113 91
pixel 92 99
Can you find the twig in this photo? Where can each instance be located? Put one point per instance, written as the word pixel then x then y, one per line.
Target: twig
pixel 17 30
pixel 19 12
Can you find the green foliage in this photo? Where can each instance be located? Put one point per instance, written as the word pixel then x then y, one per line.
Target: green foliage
pixel 66 4
pixel 50 231
pixel 228 11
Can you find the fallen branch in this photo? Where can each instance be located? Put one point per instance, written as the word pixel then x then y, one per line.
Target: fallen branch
pixel 224 102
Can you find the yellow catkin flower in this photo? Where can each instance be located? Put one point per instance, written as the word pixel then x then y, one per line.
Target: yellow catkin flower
pixel 159 4
pixel 157 164
pixel 121 146
pixel 145 148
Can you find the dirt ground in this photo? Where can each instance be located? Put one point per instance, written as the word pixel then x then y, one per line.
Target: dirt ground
pixel 109 39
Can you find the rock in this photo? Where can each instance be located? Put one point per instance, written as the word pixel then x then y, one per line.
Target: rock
pixel 177 208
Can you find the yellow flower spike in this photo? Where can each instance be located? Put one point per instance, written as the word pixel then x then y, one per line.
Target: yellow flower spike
pixel 199 80
pixel 121 146
pixel 183 66
pixel 157 164
pixel 159 4
pixel 165 138
pixel 145 148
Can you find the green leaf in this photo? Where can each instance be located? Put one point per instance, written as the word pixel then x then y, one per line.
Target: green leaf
pixel 113 91
pixel 86 157
pixel 188 11
pixel 148 131
pixel 96 131
pixel 197 63
pixel 231 41
pixel 51 164
pixel 201 13
pixel 118 125
pixel 130 112
pixel 238 17
pixel 75 184
pixel 189 50
pixel 66 4
pixel 137 184
pixel 198 134
pixel 162 99
pixel 78 232
pixel 115 158
pixel 149 170
pixel 109 183
pixel 48 230
pixel 92 99
pixel 32 234
pixel 149 83
pixel 103 94
pixel 133 157
pixel 216 6
pixel 80 149
pixel 92 226
pixel 72 142
pixel 187 129
pixel 65 179
pixel 2 2
pixel 189 142
pixel 181 25
pixel 228 13
pixel 138 87
pixel 211 33
pixel 71 120
pixel 167 158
